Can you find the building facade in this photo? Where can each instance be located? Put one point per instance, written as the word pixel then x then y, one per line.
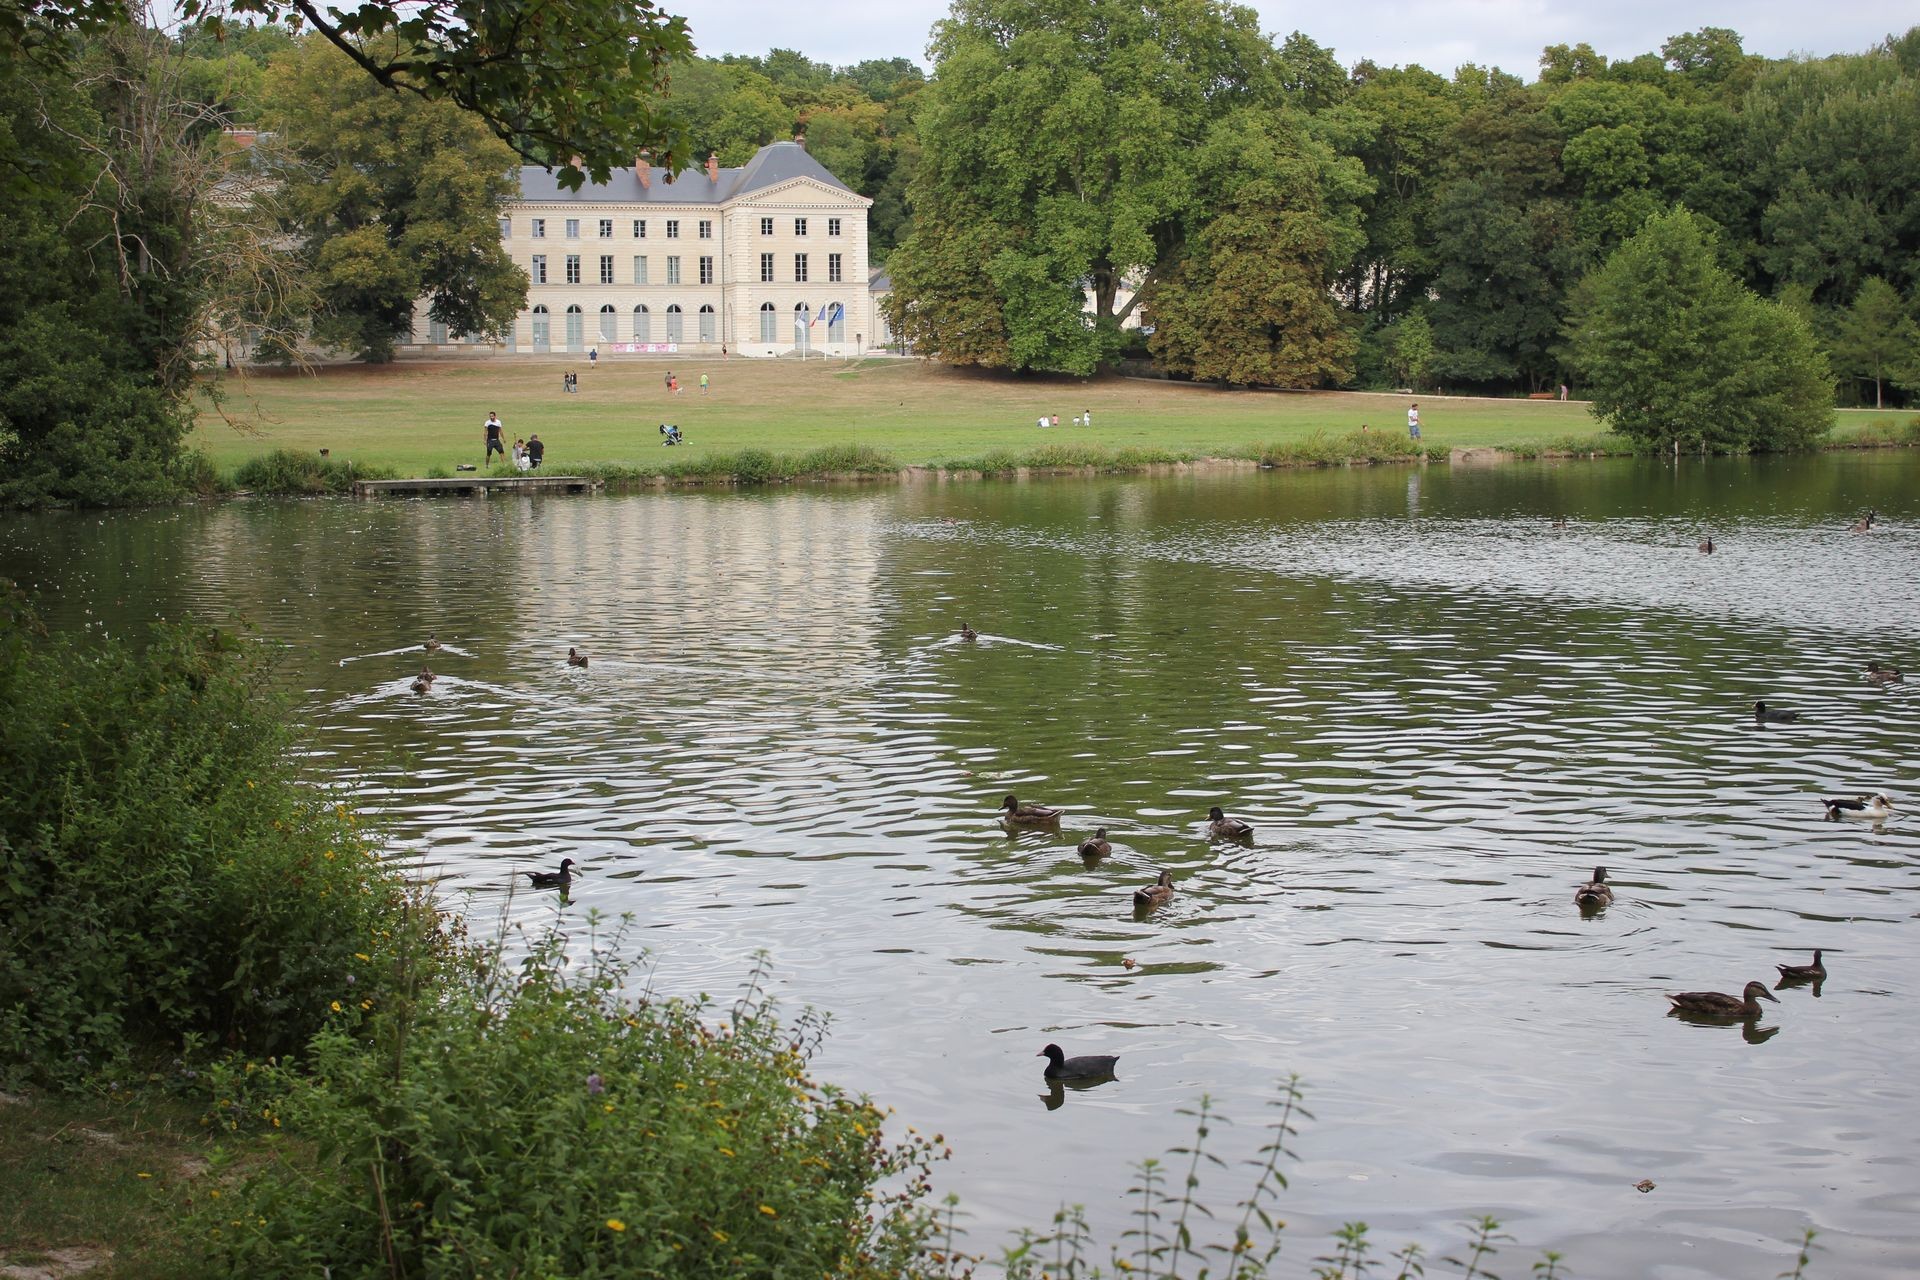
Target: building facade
pixel 768 259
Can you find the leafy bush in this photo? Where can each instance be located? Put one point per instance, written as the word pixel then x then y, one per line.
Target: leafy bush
pixel 1320 449
pixel 196 474
pixel 528 1122
pixel 288 473
pixel 165 876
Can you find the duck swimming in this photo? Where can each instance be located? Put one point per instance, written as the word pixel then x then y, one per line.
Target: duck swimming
pixel 1221 827
pixel 968 633
pixel 553 879
pixel 426 673
pixel 1061 1067
pixel 1157 894
pixel 1881 673
pixel 420 684
pixel 1873 808
pixel 1714 1004
pixel 1763 714
pixel 575 658
pixel 1029 815
pixel 1706 545
pixel 431 644
pixel 1596 894
pixel 1865 523
pixel 1095 845
pixel 1815 972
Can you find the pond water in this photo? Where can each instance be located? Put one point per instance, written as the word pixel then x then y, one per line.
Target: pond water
pixel 1438 711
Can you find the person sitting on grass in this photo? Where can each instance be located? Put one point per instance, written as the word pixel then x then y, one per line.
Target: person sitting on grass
pixel 671 432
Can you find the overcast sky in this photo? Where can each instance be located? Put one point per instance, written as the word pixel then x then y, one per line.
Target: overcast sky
pixel 1439 36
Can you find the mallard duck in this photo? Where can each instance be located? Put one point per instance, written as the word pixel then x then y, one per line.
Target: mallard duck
pixel 1715 1004
pixel 426 673
pixel 1873 808
pixel 1559 522
pixel 1061 1067
pixel 1706 545
pixel 1763 714
pixel 1815 972
pixel 431 644
pixel 1596 894
pixel 1221 827
pixel 420 684
pixel 575 658
pixel 1157 894
pixel 553 879
pixel 1030 815
pixel 968 633
pixel 1095 845
pixel 1865 523
pixel 1881 673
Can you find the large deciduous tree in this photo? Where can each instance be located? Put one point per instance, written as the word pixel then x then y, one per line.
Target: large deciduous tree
pixel 1677 352
pixel 125 256
pixel 1252 301
pixel 392 199
pixel 1066 135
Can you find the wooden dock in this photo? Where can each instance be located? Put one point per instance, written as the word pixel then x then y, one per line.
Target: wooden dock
pixel 472 486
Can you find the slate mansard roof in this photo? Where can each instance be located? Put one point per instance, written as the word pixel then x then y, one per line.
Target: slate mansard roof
pixel 772 165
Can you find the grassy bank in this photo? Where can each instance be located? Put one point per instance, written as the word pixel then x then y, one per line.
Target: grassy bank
pixel 769 420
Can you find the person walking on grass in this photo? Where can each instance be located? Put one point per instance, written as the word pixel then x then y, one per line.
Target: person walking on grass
pixel 495 438
pixel 593 357
pixel 703 384
pixel 1413 422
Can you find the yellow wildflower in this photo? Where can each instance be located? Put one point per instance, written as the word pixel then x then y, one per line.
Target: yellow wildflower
pixel 726 1151
pixel 614 1224
pixel 361 955
pixel 336 1006
pixel 719 1235
pixel 143 1175
pixel 768 1210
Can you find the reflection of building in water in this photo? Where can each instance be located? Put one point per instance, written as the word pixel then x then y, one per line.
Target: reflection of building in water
pixel 785 585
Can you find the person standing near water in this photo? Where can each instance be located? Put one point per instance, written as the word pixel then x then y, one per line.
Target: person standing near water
pixel 496 442
pixel 1413 422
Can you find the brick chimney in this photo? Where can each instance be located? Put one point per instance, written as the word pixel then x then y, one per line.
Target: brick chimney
pixel 643 169
pixel 713 166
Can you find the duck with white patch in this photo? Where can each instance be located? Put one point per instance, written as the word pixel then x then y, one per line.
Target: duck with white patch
pixel 1870 808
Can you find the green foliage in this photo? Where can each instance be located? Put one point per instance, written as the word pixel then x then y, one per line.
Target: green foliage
pixel 392 200
pixel 286 473
pixel 1251 303
pixel 1409 350
pixel 529 1121
pixel 166 878
pixel 1877 340
pixel 1046 139
pixel 93 350
pixel 1677 351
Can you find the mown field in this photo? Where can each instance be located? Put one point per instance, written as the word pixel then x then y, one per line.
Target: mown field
pixel 419 416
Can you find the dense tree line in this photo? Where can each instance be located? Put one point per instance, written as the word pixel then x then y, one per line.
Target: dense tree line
pixel 1224 182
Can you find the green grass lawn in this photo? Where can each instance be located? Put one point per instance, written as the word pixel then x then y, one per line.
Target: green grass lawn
pixel 416 416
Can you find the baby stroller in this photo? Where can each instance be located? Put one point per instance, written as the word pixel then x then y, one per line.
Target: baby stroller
pixel 671 432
